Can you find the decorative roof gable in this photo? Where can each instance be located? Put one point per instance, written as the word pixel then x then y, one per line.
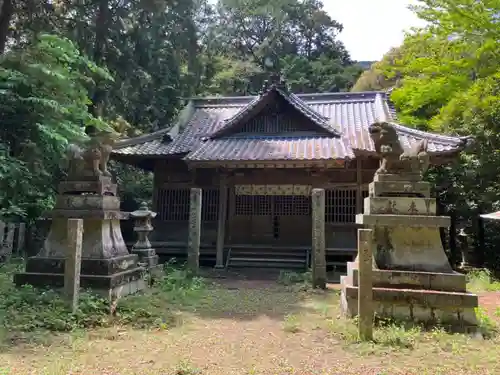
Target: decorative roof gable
pixel 270 94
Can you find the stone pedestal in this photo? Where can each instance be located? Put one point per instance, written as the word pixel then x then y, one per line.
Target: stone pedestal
pixel 106 267
pixel 412 278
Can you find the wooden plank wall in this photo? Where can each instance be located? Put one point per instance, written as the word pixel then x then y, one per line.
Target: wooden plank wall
pixel 12 239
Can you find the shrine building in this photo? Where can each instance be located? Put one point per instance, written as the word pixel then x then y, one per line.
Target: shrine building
pixel 256 159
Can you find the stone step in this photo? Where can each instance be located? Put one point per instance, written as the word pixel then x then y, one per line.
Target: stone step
pixel 271 260
pixel 266 264
pixel 266 254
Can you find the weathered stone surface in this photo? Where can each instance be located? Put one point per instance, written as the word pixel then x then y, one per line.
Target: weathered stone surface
pixel 318 239
pixel 104 284
pixel 365 284
pixel 447 282
pixel 400 177
pixel 107 267
pixel 72 264
pixel 413 278
pixel 395 159
pixel 404 220
pixel 94 266
pixel 143 228
pixel 90 160
pixel 421 297
pixel 400 188
pixel 101 239
pixel 87 202
pixel 194 234
pixel 102 186
pixel 88 214
pixel 429 307
pixel 410 249
pixel 399 206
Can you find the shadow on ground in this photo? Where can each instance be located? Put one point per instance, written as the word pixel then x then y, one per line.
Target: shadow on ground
pixel 252 294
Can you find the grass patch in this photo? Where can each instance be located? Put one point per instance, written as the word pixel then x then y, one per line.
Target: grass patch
pixel 289 278
pixel 481 280
pixel 27 314
pixel 291 324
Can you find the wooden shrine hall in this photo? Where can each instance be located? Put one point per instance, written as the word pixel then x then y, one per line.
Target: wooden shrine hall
pixel 256 159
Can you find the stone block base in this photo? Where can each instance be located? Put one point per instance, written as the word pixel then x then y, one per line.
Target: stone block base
pixel 421 297
pixel 445 282
pixel 147 256
pixel 112 278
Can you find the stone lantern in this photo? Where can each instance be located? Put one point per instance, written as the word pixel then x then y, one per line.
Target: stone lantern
pixel 143 227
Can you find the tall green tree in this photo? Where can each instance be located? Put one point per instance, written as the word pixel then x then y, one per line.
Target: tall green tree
pixel 449 82
pixel 43 104
pixel 298 37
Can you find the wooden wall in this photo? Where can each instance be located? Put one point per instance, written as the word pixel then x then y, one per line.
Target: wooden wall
pixel 344 187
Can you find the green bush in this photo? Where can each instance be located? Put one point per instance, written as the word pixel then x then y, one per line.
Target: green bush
pixel 27 309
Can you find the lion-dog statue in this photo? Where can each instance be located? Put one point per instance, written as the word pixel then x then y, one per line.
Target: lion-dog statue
pixel 394 158
pixel 91 160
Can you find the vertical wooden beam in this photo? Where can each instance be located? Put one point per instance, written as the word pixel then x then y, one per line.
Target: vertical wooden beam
pixel 221 223
pixel 194 234
pixel 73 261
pixel 318 239
pixel 365 285
pixel 232 211
pixel 359 187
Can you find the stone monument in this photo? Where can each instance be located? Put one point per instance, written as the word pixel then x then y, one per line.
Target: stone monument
pixel 88 193
pixel 412 278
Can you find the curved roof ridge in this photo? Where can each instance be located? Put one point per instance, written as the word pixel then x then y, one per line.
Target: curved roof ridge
pixel 121 143
pixel 425 134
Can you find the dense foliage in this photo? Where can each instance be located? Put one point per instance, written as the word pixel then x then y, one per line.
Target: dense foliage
pixel 446 77
pixel 127 64
pixel 43 104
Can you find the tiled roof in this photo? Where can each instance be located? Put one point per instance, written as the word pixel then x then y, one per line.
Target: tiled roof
pixel 272 148
pixel 348 113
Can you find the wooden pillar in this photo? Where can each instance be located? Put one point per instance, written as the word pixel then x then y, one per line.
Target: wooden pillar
pixel 221 223
pixel 359 187
pixel 73 261
pixel 318 239
pixel 365 284
pixel 194 233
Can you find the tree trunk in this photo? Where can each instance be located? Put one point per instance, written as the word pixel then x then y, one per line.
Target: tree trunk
pixel 6 13
pixel 101 33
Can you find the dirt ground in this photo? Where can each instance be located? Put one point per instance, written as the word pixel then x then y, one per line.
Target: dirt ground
pixel 247 326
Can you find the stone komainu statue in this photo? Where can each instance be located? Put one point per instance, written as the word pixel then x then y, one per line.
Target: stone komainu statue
pixel 91 160
pixel 394 158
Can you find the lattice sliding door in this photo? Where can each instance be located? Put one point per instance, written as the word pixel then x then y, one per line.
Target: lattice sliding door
pixel 173 204
pixel 340 205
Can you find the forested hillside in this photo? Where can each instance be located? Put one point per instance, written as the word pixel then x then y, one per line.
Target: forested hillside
pixel 127 64
pixel 446 78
